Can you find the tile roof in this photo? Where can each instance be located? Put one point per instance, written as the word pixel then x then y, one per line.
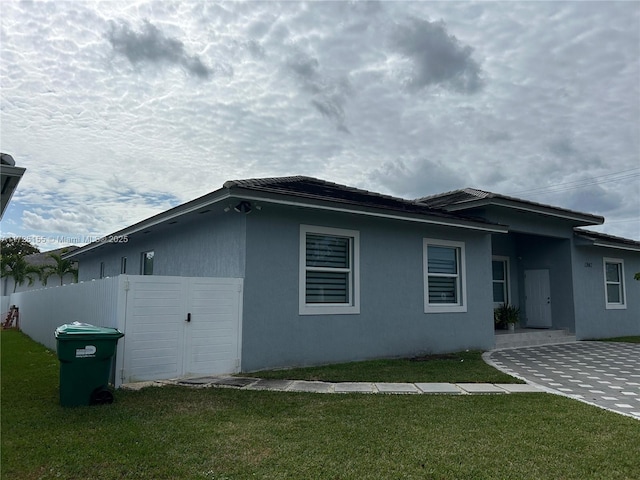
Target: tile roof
pixel 43 258
pixel 454 197
pixel 458 199
pixel 320 194
pixel 603 237
pixel 316 189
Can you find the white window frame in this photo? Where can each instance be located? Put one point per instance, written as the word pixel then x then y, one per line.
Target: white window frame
pixel 507 286
pixel 353 305
pixel 461 305
pixel 621 284
pixel 142 262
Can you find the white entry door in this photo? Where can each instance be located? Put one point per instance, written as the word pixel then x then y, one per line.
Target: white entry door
pixel 537 290
pixel 178 326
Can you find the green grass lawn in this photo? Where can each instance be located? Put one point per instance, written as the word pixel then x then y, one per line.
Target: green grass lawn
pixel 634 339
pixel 461 367
pixel 183 433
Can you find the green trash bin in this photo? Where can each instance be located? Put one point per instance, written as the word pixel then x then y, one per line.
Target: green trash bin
pixel 85 353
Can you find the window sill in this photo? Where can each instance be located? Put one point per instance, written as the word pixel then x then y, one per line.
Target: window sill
pixel 329 310
pixel 616 306
pixel 445 309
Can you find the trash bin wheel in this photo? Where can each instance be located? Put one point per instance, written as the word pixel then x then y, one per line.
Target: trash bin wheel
pixel 101 396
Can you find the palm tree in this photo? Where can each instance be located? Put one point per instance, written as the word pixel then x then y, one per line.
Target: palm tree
pixel 18 269
pixel 61 268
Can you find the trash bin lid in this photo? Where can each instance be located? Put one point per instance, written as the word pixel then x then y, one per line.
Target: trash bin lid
pixel 84 330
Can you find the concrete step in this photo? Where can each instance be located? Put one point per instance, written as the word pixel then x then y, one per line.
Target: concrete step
pixel 530 338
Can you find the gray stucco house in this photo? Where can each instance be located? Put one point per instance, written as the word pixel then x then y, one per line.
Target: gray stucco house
pixel 333 273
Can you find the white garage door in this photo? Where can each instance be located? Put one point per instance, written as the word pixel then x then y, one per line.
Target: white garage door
pixel 177 326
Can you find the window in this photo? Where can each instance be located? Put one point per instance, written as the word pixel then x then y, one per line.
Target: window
pixel 500 269
pixel 146 263
pixel 329 271
pixel 123 265
pixel 101 269
pixel 444 284
pixel 615 294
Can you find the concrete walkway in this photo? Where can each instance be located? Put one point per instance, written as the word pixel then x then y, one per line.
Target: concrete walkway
pixel 604 374
pixel 247 383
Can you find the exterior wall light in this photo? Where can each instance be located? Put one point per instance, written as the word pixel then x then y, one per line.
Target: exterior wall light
pixel 243 207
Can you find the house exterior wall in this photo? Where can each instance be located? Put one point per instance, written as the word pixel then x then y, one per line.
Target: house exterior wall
pixel 209 245
pixel 593 319
pixel 263 247
pixel 551 254
pixel 534 252
pixel 391 321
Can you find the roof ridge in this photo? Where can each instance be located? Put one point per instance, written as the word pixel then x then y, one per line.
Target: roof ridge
pixel 298 178
pixel 265 180
pixel 469 190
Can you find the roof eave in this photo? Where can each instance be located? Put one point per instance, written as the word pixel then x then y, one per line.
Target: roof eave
pixel 180 210
pixel 581 218
pixel 9 181
pixel 618 246
pixel 379 212
pixel 586 239
pixel 232 191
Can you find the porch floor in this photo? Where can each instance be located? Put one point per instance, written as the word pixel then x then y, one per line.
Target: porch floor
pixel 528 337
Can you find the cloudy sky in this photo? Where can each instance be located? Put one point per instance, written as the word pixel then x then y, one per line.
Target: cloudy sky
pixel 120 110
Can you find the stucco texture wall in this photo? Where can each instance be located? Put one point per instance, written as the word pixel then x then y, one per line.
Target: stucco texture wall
pixel 207 245
pixel 391 321
pixel 593 319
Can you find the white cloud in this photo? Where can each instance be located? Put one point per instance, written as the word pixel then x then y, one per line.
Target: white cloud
pixel 120 110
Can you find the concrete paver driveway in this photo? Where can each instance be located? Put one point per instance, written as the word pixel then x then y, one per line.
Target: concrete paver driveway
pixel 606 374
